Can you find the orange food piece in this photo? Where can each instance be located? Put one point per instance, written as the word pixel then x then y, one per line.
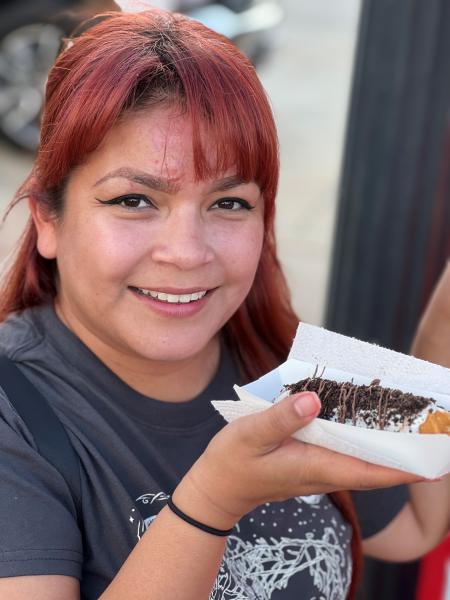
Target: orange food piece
pixel 436 422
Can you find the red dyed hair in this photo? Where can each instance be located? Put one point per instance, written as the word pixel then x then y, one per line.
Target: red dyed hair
pixel 131 62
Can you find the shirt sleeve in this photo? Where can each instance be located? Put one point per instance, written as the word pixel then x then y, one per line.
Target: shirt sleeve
pixel 39 534
pixel 377 508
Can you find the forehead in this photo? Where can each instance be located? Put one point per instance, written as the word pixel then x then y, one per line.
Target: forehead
pixel 158 141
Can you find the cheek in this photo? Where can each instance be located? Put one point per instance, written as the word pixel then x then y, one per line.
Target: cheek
pixel 98 250
pixel 240 252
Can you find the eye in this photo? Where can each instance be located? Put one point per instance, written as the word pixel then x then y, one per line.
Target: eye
pixel 232 204
pixel 129 201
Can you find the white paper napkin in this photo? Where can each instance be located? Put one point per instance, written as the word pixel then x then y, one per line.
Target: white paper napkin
pixel 344 359
pixel 320 346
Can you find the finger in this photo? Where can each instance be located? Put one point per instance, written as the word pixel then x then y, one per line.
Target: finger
pixel 355 474
pixel 376 476
pixel 267 429
pixel 333 471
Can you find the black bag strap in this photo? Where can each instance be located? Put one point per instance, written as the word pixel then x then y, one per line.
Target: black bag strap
pixel 48 432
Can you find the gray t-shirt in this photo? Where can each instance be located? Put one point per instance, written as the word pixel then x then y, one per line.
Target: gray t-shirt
pixel 133 452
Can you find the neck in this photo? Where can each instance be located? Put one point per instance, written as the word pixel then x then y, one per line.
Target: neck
pixel 168 381
pixel 174 381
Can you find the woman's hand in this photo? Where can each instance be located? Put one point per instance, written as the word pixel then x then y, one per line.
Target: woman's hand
pixel 255 460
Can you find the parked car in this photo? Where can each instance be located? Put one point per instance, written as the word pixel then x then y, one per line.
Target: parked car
pixel 31 35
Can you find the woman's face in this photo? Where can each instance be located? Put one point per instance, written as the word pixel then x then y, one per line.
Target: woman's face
pixel 151 262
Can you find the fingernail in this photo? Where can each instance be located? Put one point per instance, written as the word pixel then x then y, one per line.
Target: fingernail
pixel 306 405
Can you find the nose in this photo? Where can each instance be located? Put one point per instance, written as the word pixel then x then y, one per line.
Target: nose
pixel 182 240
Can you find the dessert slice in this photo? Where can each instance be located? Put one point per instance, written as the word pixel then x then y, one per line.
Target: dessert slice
pixel 373 406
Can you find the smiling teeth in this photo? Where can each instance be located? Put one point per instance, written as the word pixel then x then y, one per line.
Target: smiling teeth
pixel 173 298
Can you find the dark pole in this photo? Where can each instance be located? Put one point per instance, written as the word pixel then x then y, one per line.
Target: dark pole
pixel 392 235
pixel 392 232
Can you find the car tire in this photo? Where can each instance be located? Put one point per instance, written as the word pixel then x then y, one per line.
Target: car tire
pixel 30 39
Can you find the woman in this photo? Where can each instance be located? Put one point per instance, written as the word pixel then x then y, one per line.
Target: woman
pixel 146 285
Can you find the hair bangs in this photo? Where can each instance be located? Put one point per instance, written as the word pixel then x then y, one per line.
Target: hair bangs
pixel 232 122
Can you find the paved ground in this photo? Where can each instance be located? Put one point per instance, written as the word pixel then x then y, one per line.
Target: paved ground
pixel 307 77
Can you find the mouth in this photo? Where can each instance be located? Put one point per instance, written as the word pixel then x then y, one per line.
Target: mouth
pixel 169 297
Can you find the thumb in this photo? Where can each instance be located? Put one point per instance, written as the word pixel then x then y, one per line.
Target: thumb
pixel 272 426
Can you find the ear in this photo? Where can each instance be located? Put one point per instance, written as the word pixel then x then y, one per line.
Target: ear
pixel 46 229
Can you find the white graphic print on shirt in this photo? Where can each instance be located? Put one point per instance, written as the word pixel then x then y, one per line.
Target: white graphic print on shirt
pixel 148 503
pixel 254 571
pixel 274 543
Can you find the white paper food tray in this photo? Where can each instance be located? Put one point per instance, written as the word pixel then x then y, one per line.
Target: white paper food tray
pixel 427 455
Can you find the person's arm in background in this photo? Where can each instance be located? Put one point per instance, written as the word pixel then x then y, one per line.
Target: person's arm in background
pixel 432 341
pixel 425 519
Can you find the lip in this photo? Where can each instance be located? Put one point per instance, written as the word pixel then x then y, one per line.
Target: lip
pixel 176 310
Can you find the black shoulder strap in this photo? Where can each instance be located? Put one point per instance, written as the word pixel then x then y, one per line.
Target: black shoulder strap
pixel 47 430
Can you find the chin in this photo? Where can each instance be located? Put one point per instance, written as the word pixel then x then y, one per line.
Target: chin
pixel 171 350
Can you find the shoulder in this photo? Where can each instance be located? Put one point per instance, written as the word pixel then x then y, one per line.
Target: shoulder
pixel 21 331
pixel 18 334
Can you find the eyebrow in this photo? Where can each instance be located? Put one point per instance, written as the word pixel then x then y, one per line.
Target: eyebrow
pixel 227 183
pixel 168 186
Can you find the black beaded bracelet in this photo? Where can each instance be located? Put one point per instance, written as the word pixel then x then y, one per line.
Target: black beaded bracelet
pixel 202 526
